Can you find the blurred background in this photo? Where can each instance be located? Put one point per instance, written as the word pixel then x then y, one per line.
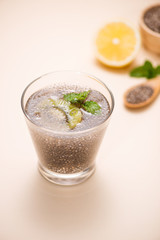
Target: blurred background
pixel 122 199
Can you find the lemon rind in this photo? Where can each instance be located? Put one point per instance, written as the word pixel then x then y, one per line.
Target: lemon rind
pixel 128 60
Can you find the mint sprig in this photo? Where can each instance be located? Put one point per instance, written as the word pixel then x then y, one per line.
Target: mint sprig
pixel 79 99
pixel 146 70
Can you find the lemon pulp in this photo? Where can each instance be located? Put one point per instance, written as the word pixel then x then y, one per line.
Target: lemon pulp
pixel 117 44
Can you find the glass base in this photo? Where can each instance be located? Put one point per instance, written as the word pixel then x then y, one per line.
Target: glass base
pixel 66 179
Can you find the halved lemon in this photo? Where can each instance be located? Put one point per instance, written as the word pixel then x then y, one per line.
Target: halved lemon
pixel 117 44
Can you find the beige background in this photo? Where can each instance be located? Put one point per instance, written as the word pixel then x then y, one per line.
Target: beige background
pixel 121 201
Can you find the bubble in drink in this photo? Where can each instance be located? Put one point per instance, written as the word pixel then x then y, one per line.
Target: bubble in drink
pixel 65 135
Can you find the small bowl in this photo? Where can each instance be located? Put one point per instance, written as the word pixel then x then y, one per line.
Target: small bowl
pixel 150 37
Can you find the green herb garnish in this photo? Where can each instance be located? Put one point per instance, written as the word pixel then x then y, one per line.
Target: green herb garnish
pixel 76 97
pixel 158 70
pixel 146 70
pixel 91 107
pixel 79 99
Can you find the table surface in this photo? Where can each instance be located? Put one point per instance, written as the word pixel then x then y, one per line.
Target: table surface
pixel 122 199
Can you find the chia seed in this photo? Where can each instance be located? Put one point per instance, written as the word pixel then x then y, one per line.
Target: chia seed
pixel 152 19
pixel 139 94
pixel 66 153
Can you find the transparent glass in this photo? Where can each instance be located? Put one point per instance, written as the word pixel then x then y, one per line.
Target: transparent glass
pixel 82 145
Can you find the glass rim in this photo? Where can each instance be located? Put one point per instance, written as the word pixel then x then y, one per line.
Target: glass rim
pixel 67 133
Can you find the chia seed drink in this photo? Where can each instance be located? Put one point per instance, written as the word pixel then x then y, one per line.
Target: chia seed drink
pixel 66 136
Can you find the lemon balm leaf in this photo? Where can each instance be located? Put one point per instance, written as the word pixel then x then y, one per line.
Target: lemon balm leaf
pixel 91 107
pixel 76 97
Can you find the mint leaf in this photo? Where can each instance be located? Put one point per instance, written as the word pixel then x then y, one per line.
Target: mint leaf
pixel 158 70
pixel 138 72
pixel 76 97
pixel 91 107
pixel 146 70
pixel 79 100
pixel 150 70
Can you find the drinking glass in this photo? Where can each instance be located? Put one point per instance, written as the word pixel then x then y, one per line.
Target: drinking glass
pixel 66 158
